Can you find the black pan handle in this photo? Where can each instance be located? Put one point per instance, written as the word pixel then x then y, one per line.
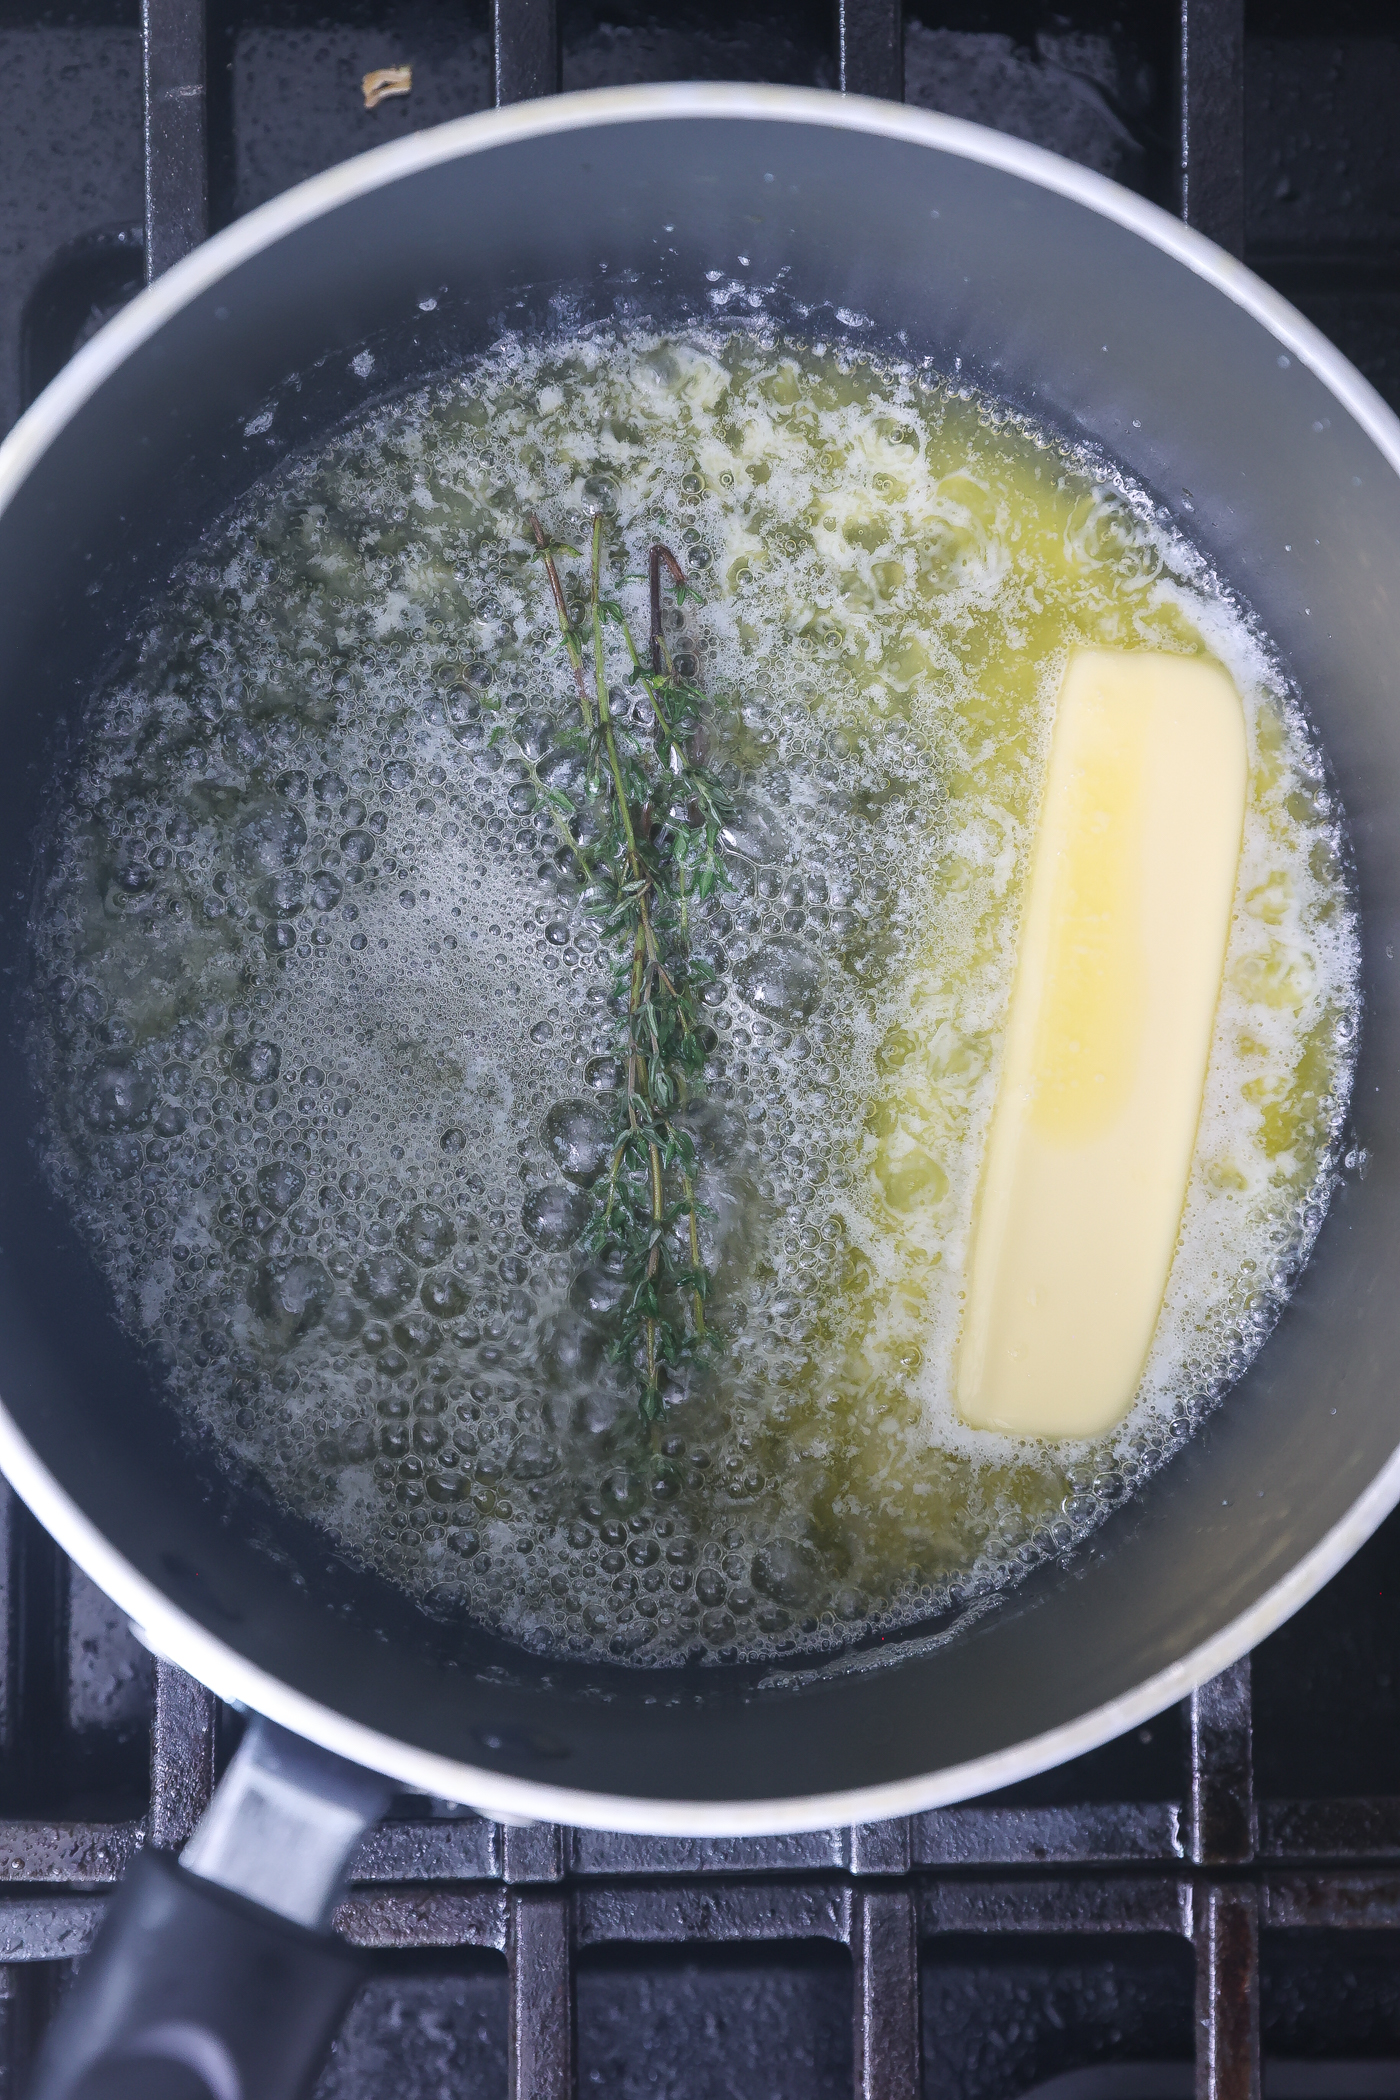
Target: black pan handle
pixel 191 1992
pixel 212 1976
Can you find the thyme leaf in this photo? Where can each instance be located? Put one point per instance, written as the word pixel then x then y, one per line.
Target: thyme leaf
pixel 656 811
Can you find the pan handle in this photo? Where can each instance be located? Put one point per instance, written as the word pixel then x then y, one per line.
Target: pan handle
pixel 213 1976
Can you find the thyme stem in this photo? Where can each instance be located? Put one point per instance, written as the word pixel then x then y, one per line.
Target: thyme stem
pixel 600 678
pixel 566 628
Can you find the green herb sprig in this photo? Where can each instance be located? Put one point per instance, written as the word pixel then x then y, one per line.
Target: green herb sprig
pixel 653 855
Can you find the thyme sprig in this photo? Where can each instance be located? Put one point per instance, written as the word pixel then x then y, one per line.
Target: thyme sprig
pixel 653 854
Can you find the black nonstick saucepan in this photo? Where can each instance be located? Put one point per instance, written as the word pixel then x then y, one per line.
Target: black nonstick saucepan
pixel 1060 293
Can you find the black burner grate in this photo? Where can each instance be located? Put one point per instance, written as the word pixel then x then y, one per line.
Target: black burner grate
pixel 1091 1935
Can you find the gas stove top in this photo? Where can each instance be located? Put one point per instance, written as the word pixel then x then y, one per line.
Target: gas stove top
pixel 1218 1889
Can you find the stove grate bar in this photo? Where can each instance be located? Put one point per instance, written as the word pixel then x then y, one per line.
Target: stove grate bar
pixel 870 48
pixel 177 130
pixel 183 1721
pixel 540 2035
pixel 525 40
pixel 1112 1833
pixel 1355 1901
pixel 1357 1828
pixel 426 1916
pixel 56 1923
pixel 1223 1828
pixel 68 1852
pixel 1211 109
pixel 1224 1923
pixel 1226 1937
pixel 884 1940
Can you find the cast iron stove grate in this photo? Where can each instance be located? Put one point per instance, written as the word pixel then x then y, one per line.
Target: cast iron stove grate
pixel 1118 1930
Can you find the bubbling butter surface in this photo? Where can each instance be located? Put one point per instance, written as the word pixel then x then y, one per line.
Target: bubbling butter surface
pixel 323 1023
pixel 1121 953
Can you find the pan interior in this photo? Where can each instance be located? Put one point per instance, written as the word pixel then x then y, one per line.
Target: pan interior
pixel 327 996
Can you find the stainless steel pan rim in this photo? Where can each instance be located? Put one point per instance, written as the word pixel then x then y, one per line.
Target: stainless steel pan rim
pixel 170 1632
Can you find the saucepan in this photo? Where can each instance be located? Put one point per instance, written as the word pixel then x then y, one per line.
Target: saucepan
pixel 1110 322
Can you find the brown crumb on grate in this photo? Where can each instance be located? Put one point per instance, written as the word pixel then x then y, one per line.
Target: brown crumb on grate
pixel 386 81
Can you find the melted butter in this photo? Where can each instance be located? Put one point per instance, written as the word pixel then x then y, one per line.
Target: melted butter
pixel 310 986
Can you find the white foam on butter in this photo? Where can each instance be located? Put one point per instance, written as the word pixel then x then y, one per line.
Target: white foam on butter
pixel 878 570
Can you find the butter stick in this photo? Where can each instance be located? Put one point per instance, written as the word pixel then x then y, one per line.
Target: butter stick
pixel 1117 980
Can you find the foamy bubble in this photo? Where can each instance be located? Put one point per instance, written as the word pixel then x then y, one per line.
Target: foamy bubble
pixel 326 1021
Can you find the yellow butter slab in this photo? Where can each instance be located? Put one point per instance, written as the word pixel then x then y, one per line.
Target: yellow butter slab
pixel 1117 980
